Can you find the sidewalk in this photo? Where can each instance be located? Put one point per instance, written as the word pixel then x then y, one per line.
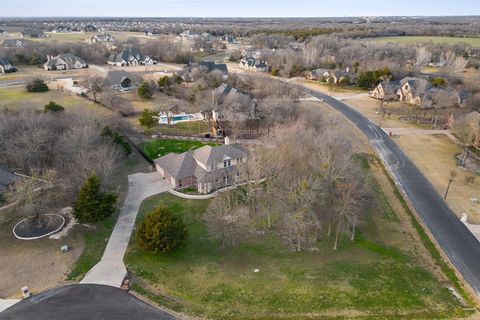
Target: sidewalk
pixel 111 269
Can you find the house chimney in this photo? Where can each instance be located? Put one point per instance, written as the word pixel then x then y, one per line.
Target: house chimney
pixel 227 140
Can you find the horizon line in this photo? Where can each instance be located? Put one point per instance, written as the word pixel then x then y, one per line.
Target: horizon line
pixel 249 17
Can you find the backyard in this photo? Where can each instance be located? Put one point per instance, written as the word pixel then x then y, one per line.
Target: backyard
pixel 383 274
pixel 160 147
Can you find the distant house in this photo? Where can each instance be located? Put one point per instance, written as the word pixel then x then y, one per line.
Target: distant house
pixel 7 179
pixel 3 33
pixel 11 43
pixel 340 77
pixel 130 58
pixel 207 66
pixel 414 91
pixel 64 61
pixel 89 28
pixel 32 33
pixel 6 66
pixel 121 80
pixel 210 66
pixel 228 39
pixel 317 74
pixel 226 93
pixel 253 64
pixel 207 168
pixel 385 91
pixel 252 53
pixel 102 37
pixel 62 29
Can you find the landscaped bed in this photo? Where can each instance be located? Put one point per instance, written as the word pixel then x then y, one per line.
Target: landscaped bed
pixel 160 147
pixel 383 274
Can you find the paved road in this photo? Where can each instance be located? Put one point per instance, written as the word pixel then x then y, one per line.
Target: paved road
pixel 83 301
pixel 110 270
pixel 460 245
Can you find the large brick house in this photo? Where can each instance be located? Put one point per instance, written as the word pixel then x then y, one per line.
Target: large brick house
pixel 207 168
pixel 414 91
pixel 64 61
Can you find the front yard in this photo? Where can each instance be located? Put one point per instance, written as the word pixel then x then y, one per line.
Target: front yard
pixel 385 274
pixel 160 147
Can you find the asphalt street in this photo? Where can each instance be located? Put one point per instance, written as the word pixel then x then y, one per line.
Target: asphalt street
pixel 459 244
pixel 83 301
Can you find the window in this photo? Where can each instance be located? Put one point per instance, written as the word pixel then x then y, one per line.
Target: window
pixel 224 164
pixel 229 164
pixel 180 183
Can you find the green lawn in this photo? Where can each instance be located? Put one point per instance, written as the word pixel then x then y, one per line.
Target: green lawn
pixel 15 98
pixel 161 147
pixel 374 276
pixel 474 42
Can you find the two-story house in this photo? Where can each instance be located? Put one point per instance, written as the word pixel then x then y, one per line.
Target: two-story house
pixel 414 91
pixel 6 66
pixel 64 61
pixel 130 58
pixel 207 168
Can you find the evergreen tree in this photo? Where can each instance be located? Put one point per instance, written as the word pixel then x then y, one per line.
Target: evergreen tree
pixel 93 204
pixel 145 91
pixel 147 119
pixel 161 231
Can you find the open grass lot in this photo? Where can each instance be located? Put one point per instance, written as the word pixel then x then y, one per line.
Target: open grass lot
pixel 382 275
pixel 15 98
pixel 474 42
pixel 160 147
pixel 434 155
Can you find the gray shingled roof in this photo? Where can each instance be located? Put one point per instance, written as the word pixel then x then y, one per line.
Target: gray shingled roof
pixel 127 55
pixel 211 66
pixel 4 62
pixel 183 165
pixel 6 179
pixel 418 86
pixel 116 77
pixel 211 155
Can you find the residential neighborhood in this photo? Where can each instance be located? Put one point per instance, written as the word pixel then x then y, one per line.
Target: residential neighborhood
pixel 239 161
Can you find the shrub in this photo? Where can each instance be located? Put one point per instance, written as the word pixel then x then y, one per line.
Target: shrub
pixel 53 107
pixel 145 91
pixel 36 85
pixel 275 72
pixel 161 231
pixel 438 82
pixel 93 204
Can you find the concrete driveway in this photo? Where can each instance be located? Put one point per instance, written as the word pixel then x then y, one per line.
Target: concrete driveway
pixel 111 269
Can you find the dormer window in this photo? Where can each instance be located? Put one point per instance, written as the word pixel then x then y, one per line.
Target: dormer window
pixel 227 163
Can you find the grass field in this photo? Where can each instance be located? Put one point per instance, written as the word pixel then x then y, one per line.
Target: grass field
pixel 15 98
pixel 381 275
pixel 474 42
pixel 161 147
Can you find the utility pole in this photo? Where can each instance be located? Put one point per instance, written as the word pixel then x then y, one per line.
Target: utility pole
pixel 453 174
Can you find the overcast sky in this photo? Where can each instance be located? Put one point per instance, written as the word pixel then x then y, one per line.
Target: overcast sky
pixel 238 8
